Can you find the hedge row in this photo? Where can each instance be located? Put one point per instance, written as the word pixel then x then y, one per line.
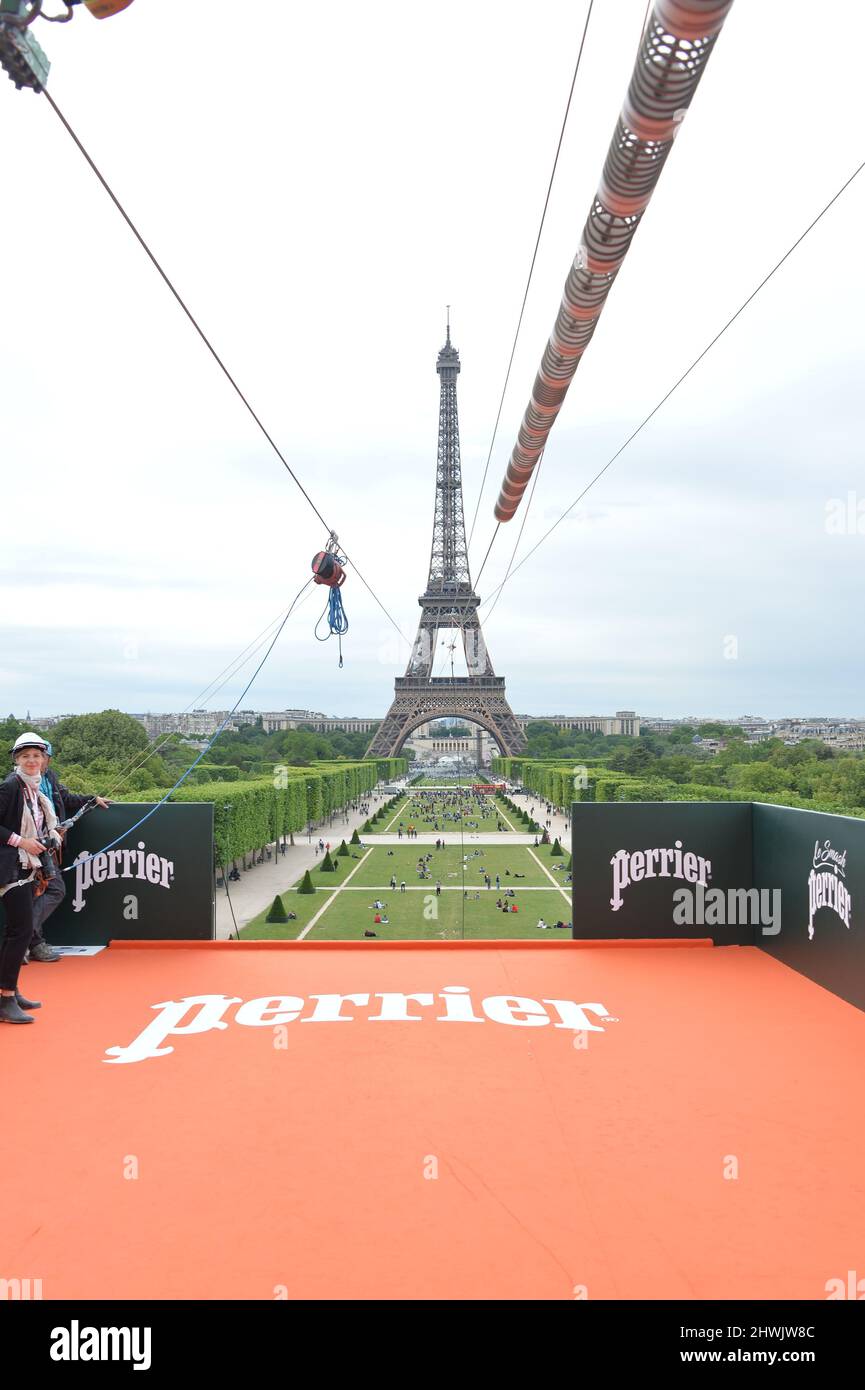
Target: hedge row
pixel 563 784
pixel 215 772
pixel 551 781
pixel 250 814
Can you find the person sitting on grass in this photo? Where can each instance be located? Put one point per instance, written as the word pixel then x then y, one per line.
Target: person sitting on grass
pixel 514 907
pixel 542 926
pixel 377 919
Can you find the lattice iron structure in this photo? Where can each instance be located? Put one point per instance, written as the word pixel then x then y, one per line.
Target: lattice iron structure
pixel 676 46
pixel 449 602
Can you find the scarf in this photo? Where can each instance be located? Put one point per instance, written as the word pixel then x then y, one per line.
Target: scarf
pixel 28 829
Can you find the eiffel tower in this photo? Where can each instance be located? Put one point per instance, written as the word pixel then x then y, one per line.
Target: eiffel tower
pixel 449 602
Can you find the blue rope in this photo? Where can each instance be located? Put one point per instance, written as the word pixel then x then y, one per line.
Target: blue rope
pixel 336 614
pixel 337 622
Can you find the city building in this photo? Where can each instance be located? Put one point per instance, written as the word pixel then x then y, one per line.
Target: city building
pixel 624 721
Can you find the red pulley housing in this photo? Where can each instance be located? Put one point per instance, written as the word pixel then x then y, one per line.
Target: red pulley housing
pixel 327 569
pixel 102 9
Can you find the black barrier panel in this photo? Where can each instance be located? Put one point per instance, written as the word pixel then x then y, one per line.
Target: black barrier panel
pixel 663 869
pixel 155 885
pixel 817 863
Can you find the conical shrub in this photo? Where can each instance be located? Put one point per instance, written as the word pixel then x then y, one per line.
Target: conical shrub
pixel 306 885
pixel 327 864
pixel 343 850
pixel 556 852
pixel 277 911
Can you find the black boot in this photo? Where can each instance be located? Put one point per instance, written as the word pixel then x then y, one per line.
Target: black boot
pixel 10 1012
pixel 27 1003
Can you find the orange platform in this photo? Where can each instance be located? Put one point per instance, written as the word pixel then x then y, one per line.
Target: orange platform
pixel 299 1160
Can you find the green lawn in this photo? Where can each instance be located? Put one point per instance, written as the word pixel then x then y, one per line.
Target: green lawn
pixel 446 864
pixel 306 905
pixel 419 913
pixel 423 916
pixel 420 812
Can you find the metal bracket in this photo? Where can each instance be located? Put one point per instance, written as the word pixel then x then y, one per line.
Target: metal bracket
pixel 20 54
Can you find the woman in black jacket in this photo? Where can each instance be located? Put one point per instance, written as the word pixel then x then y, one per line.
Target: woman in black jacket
pixel 25 814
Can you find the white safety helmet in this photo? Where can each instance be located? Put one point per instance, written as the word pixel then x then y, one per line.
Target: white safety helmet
pixel 28 741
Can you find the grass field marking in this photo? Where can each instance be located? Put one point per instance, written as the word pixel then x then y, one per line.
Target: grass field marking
pixel 543 866
pixel 446 888
pixel 400 807
pixel 311 923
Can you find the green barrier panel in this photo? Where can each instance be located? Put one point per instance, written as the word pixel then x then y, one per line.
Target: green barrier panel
pixel 642 869
pixel 816 862
pixel 155 885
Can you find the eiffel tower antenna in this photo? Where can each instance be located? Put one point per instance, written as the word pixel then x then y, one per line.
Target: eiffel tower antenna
pixel 448 602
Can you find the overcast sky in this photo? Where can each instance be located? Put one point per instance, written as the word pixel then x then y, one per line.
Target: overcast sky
pixel 319 181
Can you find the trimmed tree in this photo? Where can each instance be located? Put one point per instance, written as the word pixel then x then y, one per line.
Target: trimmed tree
pixel 545 838
pixel 327 865
pixel 556 852
pixel 306 885
pixel 343 850
pixel 277 911
pixel 355 838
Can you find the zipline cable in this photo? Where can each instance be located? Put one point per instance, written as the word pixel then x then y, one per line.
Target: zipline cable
pixel 752 296
pixel 528 507
pixel 207 747
pixel 676 46
pixel 459 622
pixel 207 693
pixel 207 343
pixel 188 312
pixel 531 269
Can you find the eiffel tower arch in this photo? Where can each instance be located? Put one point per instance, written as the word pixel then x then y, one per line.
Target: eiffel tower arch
pixel 449 601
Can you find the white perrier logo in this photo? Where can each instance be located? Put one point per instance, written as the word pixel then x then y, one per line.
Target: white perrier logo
pixel 826 886
pixel 119 863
